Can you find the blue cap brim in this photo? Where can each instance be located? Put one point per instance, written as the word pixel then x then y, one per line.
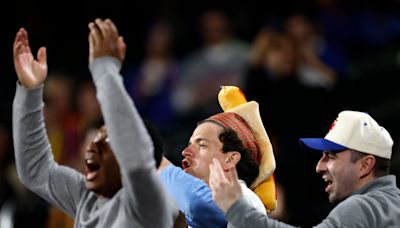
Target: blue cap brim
pixel 321 144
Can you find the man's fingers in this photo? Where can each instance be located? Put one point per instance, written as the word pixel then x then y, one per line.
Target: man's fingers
pixel 232 174
pixel 91 46
pixel 219 172
pixel 215 178
pixel 18 38
pixel 112 26
pixel 20 42
pixel 103 27
pixel 211 179
pixel 95 33
pixel 213 189
pixel 42 56
pixel 121 48
pixel 213 171
pixel 17 48
pixel 23 37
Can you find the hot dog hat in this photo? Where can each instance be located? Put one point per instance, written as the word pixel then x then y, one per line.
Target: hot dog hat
pixel 244 117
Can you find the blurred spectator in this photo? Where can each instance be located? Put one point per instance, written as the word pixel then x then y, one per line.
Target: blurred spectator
pixel 19 207
pixel 220 61
pixel 288 109
pixel 271 77
pixel 65 123
pixel 152 82
pixel 320 63
pixel 60 118
pixel 6 159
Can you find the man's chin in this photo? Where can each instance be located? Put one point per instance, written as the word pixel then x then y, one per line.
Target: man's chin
pixel 92 186
pixel 190 171
pixel 186 170
pixel 333 198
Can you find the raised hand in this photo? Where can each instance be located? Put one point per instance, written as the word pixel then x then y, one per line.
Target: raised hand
pixel 225 187
pixel 31 73
pixel 104 40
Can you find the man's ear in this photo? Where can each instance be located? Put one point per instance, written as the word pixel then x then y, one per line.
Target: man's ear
pixel 367 165
pixel 232 159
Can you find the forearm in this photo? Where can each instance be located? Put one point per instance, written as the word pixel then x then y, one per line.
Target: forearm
pixel 36 167
pixel 241 214
pixel 131 145
pixel 33 155
pixel 129 139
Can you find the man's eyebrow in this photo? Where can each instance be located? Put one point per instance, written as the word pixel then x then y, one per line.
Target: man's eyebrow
pixel 198 140
pixel 328 152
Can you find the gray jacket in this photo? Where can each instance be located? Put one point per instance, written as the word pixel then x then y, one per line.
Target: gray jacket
pixel 141 202
pixel 377 204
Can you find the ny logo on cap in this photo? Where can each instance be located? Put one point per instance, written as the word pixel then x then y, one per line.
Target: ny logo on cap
pixel 333 124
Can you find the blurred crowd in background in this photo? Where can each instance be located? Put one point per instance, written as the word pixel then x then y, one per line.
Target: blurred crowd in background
pixel 303 61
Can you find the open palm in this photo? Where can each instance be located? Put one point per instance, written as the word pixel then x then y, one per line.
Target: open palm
pixel 31 73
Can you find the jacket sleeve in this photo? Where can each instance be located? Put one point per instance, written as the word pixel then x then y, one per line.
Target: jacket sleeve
pixel 131 145
pixel 242 215
pixel 37 170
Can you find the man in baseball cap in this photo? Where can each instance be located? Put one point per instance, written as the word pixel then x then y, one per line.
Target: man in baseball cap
pixel 355 165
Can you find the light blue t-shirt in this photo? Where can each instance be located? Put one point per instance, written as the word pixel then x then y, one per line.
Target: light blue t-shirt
pixel 193 197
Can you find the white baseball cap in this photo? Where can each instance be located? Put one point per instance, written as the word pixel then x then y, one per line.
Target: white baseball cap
pixel 357 131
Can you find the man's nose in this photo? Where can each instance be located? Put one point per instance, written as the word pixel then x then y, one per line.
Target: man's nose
pixel 321 165
pixel 187 152
pixel 92 147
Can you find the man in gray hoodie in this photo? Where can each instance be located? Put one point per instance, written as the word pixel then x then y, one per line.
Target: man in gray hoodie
pixel 120 186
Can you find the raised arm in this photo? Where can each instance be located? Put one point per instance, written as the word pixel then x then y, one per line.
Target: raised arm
pixel 36 167
pixel 128 136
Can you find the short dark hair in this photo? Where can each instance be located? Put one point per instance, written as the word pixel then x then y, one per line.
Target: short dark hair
pixel 247 168
pixel 382 165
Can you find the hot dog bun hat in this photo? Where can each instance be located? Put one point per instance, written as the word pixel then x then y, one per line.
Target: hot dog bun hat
pixel 244 118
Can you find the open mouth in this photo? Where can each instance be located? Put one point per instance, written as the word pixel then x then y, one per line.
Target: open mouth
pixel 91 168
pixel 328 183
pixel 185 164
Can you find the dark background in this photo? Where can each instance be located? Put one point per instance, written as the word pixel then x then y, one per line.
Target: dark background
pixel 62 27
